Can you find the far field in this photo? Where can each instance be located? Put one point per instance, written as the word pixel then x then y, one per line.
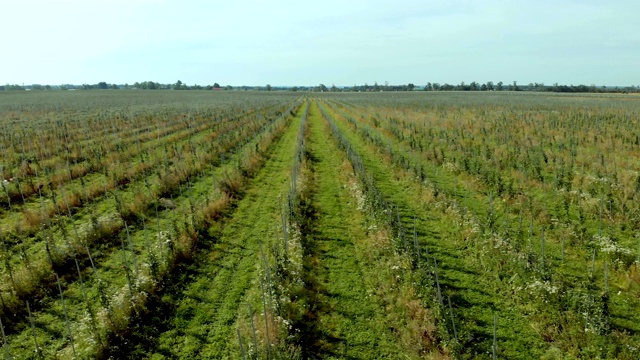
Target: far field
pixel 275 225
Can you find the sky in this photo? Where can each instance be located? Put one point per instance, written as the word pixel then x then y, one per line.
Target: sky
pixel 343 42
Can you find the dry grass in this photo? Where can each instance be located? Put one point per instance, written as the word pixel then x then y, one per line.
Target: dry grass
pixel 231 184
pixel 216 209
pixel 251 164
pixel 32 219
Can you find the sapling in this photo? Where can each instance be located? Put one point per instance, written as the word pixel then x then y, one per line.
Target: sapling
pixel 33 331
pixel 542 246
pixel 253 328
pixel 152 259
pixel 127 270
pixel 285 233
pixel 531 232
pixel 453 323
pixel 6 191
pixel 600 218
pixel 415 241
pixel 94 329
pixel 48 250
pixel 73 223
pixel 4 341
pixel 520 229
pixel 133 254
pixel 244 355
pixel 266 320
pixel 25 258
pixel 17 180
pixel 69 167
pixel 506 217
pixel 439 292
pixel 66 318
pixel 400 231
pixel 495 343
pixel 268 274
pixel 491 218
pixel 606 277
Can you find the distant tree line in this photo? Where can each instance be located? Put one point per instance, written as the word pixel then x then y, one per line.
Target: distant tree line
pixel 500 86
pixel 475 86
pixel 472 86
pixel 375 87
pixel 145 85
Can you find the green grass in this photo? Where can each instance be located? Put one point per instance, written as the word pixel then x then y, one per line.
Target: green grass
pixel 205 313
pixel 349 323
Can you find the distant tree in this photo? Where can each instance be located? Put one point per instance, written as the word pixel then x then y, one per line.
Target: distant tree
pixel 490 85
pixel 228 87
pixel 474 86
pixel 410 86
pixel 178 85
pixel 295 88
pixel 483 87
pixel 13 87
pixel 114 86
pixel 334 88
pixel 216 86
pixel 102 85
pixel 268 87
pixel 376 87
pixel 499 86
pixel 515 86
pixel 435 86
pixel 322 88
pixel 149 85
pixel 47 87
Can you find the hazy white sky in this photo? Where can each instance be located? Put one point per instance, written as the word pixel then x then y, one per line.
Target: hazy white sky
pixel 341 42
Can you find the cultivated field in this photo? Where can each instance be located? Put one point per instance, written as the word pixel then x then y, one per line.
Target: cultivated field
pixel 274 225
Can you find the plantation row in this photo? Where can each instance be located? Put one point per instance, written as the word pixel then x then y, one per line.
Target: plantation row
pixel 132 204
pixel 342 226
pixel 145 236
pixel 571 272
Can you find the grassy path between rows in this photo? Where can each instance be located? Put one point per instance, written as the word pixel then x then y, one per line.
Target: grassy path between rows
pixel 209 303
pixel 349 324
pixel 194 315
